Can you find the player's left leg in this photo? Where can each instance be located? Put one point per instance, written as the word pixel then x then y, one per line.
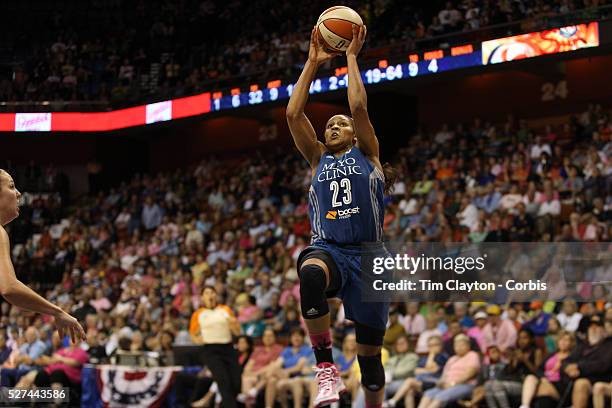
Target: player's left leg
pixel 369 346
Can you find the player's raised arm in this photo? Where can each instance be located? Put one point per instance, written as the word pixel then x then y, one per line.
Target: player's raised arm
pixel 358 100
pixel 301 129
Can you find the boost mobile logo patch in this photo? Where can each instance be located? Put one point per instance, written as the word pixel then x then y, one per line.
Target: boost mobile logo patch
pixel 332 215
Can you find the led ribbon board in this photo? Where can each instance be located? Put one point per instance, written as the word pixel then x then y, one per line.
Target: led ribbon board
pixel 496 51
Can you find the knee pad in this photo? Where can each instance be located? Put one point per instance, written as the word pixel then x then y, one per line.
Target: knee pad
pixel 372 372
pixel 368 335
pixel 312 291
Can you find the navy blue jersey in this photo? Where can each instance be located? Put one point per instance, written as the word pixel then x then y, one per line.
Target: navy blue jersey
pixel 346 199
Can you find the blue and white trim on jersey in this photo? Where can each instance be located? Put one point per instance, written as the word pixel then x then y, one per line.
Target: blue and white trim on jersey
pixel 316 224
pixel 375 175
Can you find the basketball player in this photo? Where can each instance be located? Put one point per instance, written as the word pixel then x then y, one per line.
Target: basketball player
pixel 346 209
pixel 12 289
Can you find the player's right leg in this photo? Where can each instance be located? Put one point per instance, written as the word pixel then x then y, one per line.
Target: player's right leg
pixel 318 277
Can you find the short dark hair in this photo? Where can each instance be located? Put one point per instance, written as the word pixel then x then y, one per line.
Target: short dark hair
pixel 297 330
pixel 209 287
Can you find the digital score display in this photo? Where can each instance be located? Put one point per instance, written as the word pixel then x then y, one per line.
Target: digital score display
pixel 276 91
pixel 501 50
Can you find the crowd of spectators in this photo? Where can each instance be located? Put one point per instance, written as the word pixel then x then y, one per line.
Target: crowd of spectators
pixel 122 52
pixel 132 262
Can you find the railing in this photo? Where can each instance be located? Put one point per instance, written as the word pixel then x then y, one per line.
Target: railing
pixel 390 51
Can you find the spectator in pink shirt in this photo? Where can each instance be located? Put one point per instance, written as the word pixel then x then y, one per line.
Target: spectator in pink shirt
pixel 477 332
pixel 101 302
pixel 498 332
pixel 431 330
pixel 413 322
pixel 64 369
pixel 458 377
pixel 290 290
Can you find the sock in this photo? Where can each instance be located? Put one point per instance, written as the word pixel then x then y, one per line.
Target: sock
pixel 322 346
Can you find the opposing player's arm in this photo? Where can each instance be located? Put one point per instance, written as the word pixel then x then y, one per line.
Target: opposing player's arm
pixel 14 291
pixel 18 294
pixel 301 129
pixel 358 99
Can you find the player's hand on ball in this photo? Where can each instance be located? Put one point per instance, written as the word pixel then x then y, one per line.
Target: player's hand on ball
pixel 318 53
pixel 359 35
pixel 68 325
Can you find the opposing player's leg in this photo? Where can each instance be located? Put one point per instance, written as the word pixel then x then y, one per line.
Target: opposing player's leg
pixel 319 277
pixel 369 345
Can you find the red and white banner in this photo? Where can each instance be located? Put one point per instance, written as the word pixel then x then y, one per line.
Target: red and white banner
pixel 122 386
pixel 106 121
pixel 32 122
pixel 159 112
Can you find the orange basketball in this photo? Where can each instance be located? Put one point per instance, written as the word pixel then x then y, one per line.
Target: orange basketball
pixel 335 26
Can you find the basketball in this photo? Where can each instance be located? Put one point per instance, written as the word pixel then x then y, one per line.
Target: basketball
pixel 335 26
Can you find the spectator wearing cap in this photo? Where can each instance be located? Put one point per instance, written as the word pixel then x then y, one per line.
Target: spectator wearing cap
pixel 538 323
pixel 590 363
pixel 477 332
pixel 498 331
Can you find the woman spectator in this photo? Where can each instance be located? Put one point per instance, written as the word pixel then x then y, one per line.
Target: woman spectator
pixel 249 315
pixel 285 376
pixel 63 368
pixel 260 367
pixel 430 330
pixel 213 326
pixel 398 368
pixel 550 383
pixel 427 373
pixel 522 361
pixel 458 377
pixel 290 322
pixel 244 345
